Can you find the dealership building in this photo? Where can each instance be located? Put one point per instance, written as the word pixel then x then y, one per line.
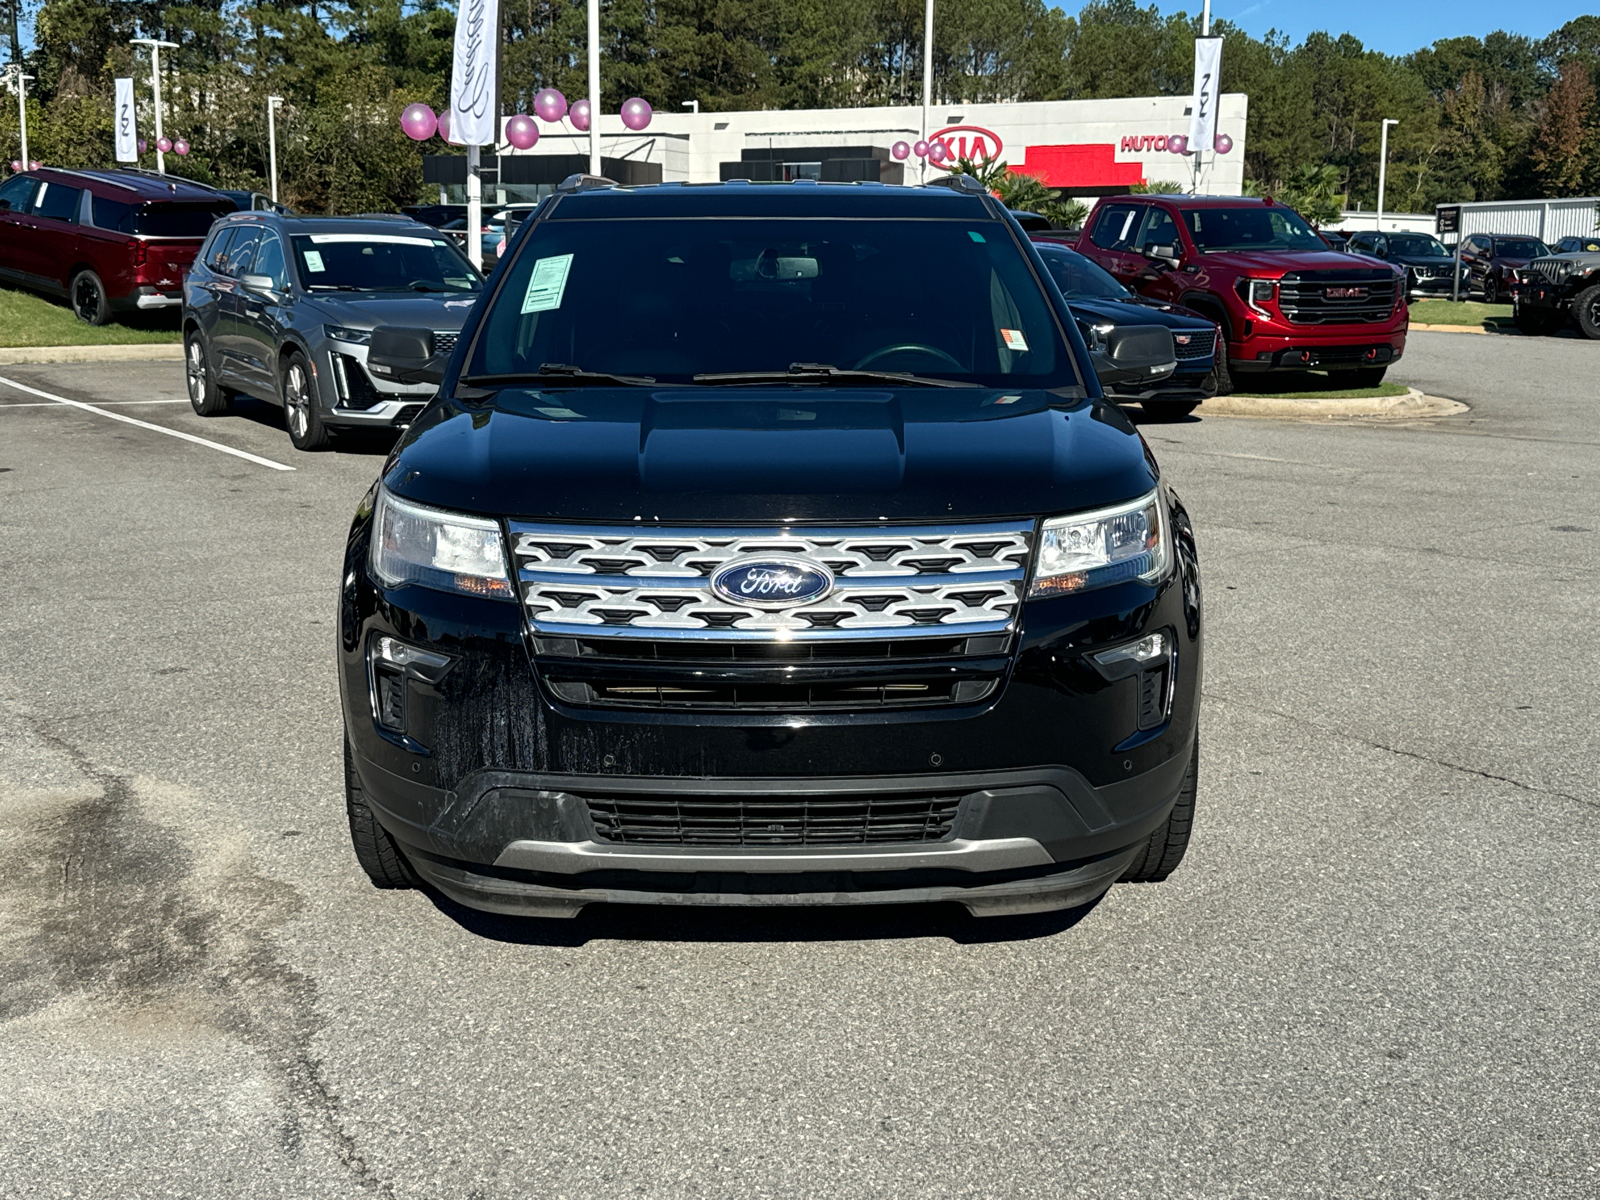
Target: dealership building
pixel 1087 148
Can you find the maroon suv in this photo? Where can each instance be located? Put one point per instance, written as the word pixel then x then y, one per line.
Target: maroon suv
pixel 106 241
pixel 1285 300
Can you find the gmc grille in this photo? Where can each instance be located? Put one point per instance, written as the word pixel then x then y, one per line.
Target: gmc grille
pixel 1337 297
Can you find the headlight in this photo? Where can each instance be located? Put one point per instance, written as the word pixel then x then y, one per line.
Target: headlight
pixel 437 549
pixel 339 333
pixel 1094 336
pixel 1257 293
pixel 1109 545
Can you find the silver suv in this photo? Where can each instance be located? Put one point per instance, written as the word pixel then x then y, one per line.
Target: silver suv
pixel 281 308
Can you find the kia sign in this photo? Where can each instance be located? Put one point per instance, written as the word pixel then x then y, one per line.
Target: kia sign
pixel 966 141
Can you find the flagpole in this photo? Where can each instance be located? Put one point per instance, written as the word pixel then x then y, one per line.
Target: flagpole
pixel 594 86
pixel 927 85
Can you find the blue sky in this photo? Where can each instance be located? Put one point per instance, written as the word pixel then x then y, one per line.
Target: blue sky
pixel 1395 28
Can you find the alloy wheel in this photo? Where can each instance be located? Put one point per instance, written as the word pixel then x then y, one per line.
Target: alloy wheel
pixel 86 299
pixel 297 401
pixel 197 372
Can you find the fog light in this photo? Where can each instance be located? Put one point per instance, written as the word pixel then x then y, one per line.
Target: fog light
pixel 427 665
pixel 1144 650
pixel 393 662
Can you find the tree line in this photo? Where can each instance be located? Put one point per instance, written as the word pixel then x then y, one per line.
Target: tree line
pixel 1503 116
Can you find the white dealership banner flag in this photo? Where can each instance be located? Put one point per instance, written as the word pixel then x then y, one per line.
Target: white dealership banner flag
pixel 475 75
pixel 1207 74
pixel 126 123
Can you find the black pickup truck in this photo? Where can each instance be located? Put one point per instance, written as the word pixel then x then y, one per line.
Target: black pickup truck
pixel 769 544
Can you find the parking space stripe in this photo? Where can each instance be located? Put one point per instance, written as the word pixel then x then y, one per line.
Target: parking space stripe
pixel 177 433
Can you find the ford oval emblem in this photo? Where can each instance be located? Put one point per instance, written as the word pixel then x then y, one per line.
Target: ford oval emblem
pixel 772 582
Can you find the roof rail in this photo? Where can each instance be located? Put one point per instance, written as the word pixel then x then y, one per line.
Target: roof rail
pixel 584 182
pixel 958 183
pixel 406 217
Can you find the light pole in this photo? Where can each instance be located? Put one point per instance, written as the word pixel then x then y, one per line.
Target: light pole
pixel 927 85
pixel 272 142
pixel 20 81
pixel 155 45
pixel 594 87
pixel 1383 167
pixel 693 106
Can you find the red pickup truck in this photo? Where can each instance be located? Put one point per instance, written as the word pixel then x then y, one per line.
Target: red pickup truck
pixel 1285 300
pixel 104 241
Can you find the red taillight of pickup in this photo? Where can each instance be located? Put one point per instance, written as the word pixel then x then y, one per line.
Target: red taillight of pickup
pixel 135 250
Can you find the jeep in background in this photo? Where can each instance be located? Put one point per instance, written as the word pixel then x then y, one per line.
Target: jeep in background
pixel 1558 287
pixel 1285 300
pixel 104 241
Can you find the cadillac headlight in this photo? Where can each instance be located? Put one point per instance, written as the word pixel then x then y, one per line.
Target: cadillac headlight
pixel 1107 546
pixel 437 549
pixel 356 337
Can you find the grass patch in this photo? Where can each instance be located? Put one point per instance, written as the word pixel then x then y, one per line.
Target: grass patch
pixel 1468 312
pixel 30 320
pixel 1292 392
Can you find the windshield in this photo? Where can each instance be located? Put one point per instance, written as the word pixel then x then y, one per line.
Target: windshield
pixel 1253 228
pixel 1520 248
pixel 1419 245
pixel 387 262
pixel 1078 278
pixel 676 298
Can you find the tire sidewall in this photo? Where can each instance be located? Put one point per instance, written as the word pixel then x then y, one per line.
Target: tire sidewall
pixel 315 436
pixel 1586 311
pixel 102 312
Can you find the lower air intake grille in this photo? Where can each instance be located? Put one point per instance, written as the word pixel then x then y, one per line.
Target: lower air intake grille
pixel 833 820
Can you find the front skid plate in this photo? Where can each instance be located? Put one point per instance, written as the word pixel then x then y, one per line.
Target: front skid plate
pixel 1049 893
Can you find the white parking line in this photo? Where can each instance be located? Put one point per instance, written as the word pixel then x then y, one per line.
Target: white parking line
pixel 187 437
pixel 107 403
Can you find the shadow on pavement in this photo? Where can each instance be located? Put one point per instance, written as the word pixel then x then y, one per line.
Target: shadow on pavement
pixel 640 923
pixel 374 442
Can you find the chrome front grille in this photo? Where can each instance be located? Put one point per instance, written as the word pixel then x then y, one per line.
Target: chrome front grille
pixel 1315 297
pixel 890 581
pixel 1200 344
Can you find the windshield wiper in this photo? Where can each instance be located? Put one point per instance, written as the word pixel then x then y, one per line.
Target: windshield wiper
pixel 828 373
pixel 561 373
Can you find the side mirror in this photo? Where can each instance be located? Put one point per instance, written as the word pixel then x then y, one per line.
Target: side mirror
pixel 1165 252
pixel 258 283
pixel 1136 354
pixel 401 355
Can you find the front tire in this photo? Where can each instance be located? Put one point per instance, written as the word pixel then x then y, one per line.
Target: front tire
pixel 306 429
pixel 1586 311
pixel 205 397
pixel 1491 290
pixel 89 303
pixel 379 856
pixel 1164 849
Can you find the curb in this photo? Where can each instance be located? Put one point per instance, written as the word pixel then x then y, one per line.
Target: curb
pixel 137 352
pixel 1413 404
pixel 1467 329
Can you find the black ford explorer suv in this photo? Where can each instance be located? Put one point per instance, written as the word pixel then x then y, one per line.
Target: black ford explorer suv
pixel 768 544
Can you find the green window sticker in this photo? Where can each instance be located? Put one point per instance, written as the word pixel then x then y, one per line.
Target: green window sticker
pixel 547 284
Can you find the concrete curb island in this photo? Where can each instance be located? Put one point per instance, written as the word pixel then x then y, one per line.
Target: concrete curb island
pixel 1413 404
pixel 138 352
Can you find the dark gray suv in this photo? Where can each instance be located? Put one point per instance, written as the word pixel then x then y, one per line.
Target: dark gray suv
pixel 282 307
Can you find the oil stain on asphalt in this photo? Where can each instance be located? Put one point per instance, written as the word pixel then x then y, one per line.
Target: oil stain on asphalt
pixel 105 913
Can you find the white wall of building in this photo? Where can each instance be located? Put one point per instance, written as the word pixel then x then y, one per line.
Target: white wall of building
pixel 1354 221
pixel 690 147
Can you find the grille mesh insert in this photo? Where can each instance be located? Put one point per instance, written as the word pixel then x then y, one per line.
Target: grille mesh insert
pixel 834 820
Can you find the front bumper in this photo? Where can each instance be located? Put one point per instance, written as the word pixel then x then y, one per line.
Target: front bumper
pixel 357 398
pixel 497 790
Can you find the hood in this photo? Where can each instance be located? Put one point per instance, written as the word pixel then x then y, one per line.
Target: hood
pixel 1139 311
pixel 749 455
pixel 418 310
pixel 1268 262
pixel 1500 260
pixel 1421 260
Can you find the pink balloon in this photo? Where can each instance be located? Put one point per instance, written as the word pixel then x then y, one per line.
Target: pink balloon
pixel 163 144
pixel 549 105
pixel 1178 143
pixel 937 152
pixel 444 124
pixel 1223 143
pixel 181 146
pixel 920 149
pixel 579 115
pixel 901 150
pixel 636 113
pixel 418 122
pixel 35 165
pixel 144 146
pixel 522 131
pixel 16 164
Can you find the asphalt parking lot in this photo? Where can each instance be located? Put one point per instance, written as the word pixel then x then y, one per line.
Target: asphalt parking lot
pixel 1376 974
